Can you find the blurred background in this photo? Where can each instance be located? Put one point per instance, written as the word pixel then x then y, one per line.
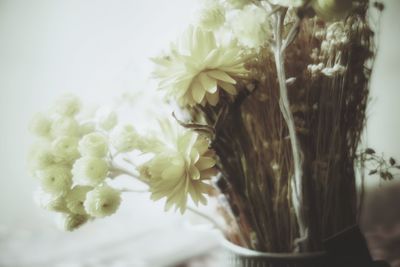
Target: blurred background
pixel 99 50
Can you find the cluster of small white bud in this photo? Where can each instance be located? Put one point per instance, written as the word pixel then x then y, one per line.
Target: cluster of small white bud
pixel 72 160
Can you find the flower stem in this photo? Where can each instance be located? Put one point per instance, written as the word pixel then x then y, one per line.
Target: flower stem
pixel 284 104
pixel 208 218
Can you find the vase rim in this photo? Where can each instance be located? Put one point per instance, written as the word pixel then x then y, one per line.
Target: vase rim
pixel 278 255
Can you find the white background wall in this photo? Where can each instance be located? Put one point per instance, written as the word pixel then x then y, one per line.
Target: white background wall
pixel 99 49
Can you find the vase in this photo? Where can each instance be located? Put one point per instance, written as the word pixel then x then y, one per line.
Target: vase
pixel 235 256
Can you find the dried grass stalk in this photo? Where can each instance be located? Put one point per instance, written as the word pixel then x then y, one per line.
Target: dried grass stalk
pixel 254 144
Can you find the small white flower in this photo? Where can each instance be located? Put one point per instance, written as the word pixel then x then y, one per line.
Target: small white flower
pixel 124 138
pixel 67 105
pixel 40 157
pixel 89 170
pixel 199 67
pixel 250 26
pixel 55 179
pixel 106 118
pixel 181 171
pixel 93 144
pixel 87 128
pixel 65 148
pixel 102 201
pixel 49 201
pixel 70 221
pixel 75 199
pixel 40 125
pixel 238 3
pixel 64 126
pixel 211 17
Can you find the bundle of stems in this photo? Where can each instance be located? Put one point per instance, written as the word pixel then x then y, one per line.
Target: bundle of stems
pixel 286 144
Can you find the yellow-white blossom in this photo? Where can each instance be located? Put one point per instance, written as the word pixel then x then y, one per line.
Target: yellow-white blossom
pixel 40 157
pixel 94 144
pixel 65 148
pixel 211 17
pixel 40 125
pixel 102 201
pixel 238 3
pixel 89 170
pixel 124 138
pixel 198 67
pixel 87 128
pixel 106 118
pixel 181 171
pixel 49 201
pixel 70 221
pixel 55 179
pixel 250 26
pixel 64 126
pixel 67 105
pixel 76 197
pixel 332 10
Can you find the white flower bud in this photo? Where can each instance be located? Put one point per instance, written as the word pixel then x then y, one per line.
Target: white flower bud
pixel 238 3
pixel 70 221
pixel 102 201
pixel 93 144
pixel 67 105
pixel 64 126
pixel 89 170
pixel 49 201
pixel 106 118
pixel 40 125
pixel 124 138
pixel 65 148
pixel 250 26
pixel 332 10
pixel 87 128
pixel 75 199
pixel 211 17
pixel 55 179
pixel 40 157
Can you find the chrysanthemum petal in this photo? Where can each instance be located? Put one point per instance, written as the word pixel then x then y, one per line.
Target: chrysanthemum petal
pixel 222 76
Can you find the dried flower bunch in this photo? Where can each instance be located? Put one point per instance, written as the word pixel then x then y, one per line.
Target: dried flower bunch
pixel 275 92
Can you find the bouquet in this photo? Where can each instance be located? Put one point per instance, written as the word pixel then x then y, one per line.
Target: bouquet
pixel 269 101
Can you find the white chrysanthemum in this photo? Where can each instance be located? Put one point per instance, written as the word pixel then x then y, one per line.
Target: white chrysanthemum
pixel 106 118
pixel 124 138
pixel 250 26
pixel 93 144
pixel 67 105
pixel 331 10
pixel 75 199
pixel 87 128
pixel 65 148
pixel 40 125
pixel 70 221
pixel 64 126
pixel 181 171
pixel 40 157
pixel 211 17
pixel 102 201
pixel 55 179
pixel 288 3
pixel 198 67
pixel 238 3
pixel 90 170
pixel 49 201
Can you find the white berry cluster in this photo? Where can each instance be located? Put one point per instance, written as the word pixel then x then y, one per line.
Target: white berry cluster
pixel 72 161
